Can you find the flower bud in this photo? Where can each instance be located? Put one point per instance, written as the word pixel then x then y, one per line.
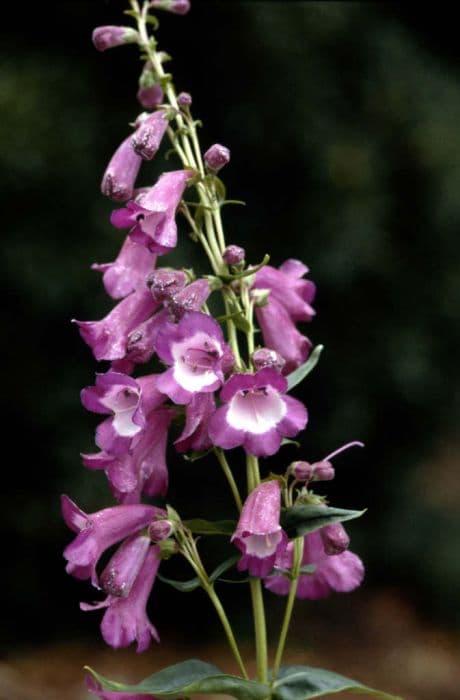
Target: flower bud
pixel 165 282
pixel 216 157
pixel 191 298
pixel 147 138
pixel 233 254
pixel 302 471
pixel 323 471
pixel 264 357
pixel 108 37
pixel 178 7
pixel 184 99
pixel 160 530
pixel 335 539
pixel 121 173
pixel 150 93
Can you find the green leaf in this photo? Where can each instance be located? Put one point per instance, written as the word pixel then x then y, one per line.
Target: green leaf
pixel 300 520
pixel 182 586
pixel 186 679
pixel 205 527
pixel 304 682
pixel 196 455
pixel 225 566
pixel 301 372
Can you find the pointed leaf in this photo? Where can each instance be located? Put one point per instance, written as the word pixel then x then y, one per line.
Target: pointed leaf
pixel 188 678
pixel 304 682
pixel 205 527
pixel 182 586
pixel 301 372
pixel 225 566
pixel 300 520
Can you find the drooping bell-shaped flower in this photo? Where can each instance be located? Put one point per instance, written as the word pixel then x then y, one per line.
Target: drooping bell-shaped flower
pixel 257 414
pixel 259 535
pixel 125 619
pixel 109 36
pixel 289 301
pixel 108 337
pixel 339 572
pixel 140 343
pixel 151 216
pixel 195 434
pixel 98 531
pixel 195 349
pixel 129 271
pixel 147 138
pixel 120 175
pixel 150 93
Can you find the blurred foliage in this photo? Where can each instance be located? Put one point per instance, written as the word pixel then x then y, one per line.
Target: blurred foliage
pixel 343 121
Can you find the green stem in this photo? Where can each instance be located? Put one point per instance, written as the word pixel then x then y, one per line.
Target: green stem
pixel 260 627
pixel 228 473
pixel 295 573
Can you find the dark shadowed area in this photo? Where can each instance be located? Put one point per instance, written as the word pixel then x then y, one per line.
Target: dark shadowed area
pixel 343 120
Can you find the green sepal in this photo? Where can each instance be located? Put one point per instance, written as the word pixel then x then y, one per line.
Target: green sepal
pixel 188 678
pixel 200 526
pixel 300 520
pixel 288 441
pixel 304 682
pixel 301 372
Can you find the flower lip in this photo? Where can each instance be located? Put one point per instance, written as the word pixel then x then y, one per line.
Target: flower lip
pixel 256 410
pixel 197 361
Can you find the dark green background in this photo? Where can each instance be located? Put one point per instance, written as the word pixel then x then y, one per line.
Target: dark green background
pixel 344 124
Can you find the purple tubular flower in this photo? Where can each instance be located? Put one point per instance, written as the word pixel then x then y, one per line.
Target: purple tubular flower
pixel 140 345
pixel 178 7
pixel 129 271
pixel 150 97
pixel 216 157
pixel 109 37
pixel 341 572
pixel 191 298
pixel 165 283
pixel 99 531
pixel 151 217
pixel 257 414
pixel 195 433
pixel 121 173
pixel 195 348
pixel 108 337
pixel 335 538
pixel 259 535
pixel 119 395
pixel 119 575
pixel 95 688
pixel 143 469
pixel 147 138
pixel 264 357
pixel 125 619
pixel 289 302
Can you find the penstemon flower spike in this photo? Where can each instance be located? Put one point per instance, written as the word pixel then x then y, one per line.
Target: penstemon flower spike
pixel 223 391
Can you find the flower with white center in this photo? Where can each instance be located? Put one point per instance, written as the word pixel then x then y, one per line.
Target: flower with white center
pixel 257 414
pixel 197 353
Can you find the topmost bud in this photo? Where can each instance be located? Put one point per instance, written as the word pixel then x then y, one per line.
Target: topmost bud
pixel 179 7
pixel 108 37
